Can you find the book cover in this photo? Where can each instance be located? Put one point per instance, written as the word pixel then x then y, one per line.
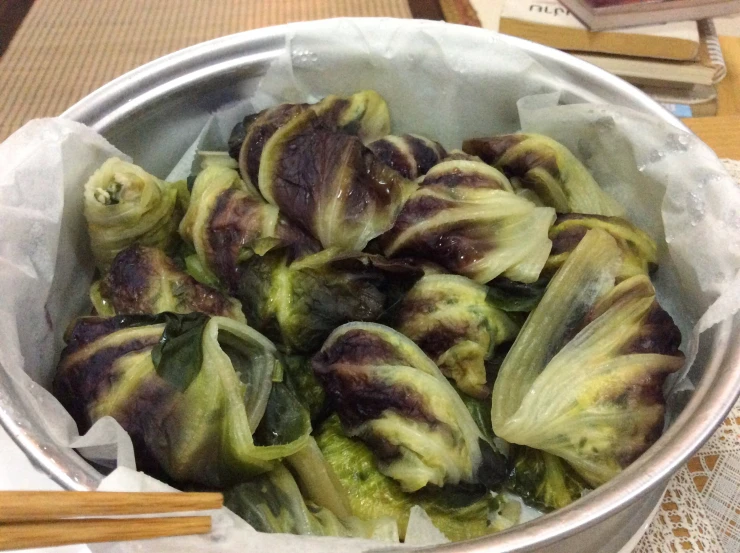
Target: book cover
pixel 549 23
pixel 708 70
pixel 609 14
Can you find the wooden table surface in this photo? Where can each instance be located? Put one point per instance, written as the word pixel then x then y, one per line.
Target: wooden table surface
pixel 722 133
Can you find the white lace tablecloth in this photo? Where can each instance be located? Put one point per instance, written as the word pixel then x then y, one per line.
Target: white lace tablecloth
pixel 701 507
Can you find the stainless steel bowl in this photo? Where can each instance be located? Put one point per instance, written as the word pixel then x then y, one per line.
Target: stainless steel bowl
pixel 200 79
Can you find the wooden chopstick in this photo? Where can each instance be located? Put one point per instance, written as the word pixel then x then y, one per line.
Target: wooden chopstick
pixel 26 506
pixel 44 519
pixel 25 535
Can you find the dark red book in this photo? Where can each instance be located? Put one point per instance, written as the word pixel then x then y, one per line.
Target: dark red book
pixel 598 15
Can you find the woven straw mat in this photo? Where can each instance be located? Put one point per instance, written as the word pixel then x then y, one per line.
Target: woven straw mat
pixel 65 49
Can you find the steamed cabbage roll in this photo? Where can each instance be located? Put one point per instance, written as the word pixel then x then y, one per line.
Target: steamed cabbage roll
pixel 125 205
pixel 583 380
pixel 200 397
pixel 330 184
pixel 639 251
pixel 450 318
pixel 459 514
pixel 539 163
pixel 364 114
pixel 389 394
pixel 411 155
pixel 466 218
pixel 273 503
pixel 144 280
pixel 299 303
pixel 227 224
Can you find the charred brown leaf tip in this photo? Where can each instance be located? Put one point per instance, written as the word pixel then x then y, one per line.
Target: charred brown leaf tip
pixel 426 155
pixel 533 159
pixel 151 402
pixel 491 149
pixel 418 208
pixel 658 334
pixel 131 283
pixel 566 240
pixel 358 398
pixel 86 330
pixel 439 339
pixel 79 384
pixel 127 283
pixel 457 177
pixel 390 154
pixel 356 347
pixel 311 164
pixel 239 133
pixel 260 131
pixel 330 116
pixel 234 222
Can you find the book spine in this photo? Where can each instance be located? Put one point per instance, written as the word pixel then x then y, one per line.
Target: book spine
pixel 708 33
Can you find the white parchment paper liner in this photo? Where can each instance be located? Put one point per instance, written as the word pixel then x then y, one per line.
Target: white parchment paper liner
pixel 672 184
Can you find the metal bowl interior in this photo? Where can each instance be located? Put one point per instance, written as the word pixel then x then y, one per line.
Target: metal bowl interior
pixel 200 79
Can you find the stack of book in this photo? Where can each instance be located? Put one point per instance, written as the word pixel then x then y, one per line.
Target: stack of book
pixel 678 63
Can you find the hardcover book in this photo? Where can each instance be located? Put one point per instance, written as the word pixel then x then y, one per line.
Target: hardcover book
pixel 548 22
pixel 608 14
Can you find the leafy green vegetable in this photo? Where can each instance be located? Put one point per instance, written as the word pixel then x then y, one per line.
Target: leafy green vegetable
pixel 394 398
pixel 411 155
pixel 298 304
pixel 331 185
pixel 450 319
pixel 285 420
pixel 178 355
pixel 538 163
pixel 364 114
pixel 273 503
pixel 196 394
pixel 125 205
pixel 583 380
pixel 318 481
pixel 639 251
pixel 542 480
pixel 144 280
pixel 227 224
pixel 299 376
pixel 516 297
pixel 466 218
pixel 195 268
pixel 459 513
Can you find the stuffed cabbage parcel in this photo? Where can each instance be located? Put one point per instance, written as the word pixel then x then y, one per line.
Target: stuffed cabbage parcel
pixel 227 224
pixel 389 394
pixel 273 503
pixel 144 280
pixel 450 318
pixel 330 184
pixel 459 513
pixel 539 163
pixel 364 114
pixel 299 303
pixel 583 380
pixel 200 397
pixel 411 155
pixel 466 217
pixel 125 205
pixel 639 251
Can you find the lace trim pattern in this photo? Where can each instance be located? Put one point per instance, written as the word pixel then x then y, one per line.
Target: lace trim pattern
pixel 701 507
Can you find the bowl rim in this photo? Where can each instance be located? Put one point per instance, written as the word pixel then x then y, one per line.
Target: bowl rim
pixel 715 393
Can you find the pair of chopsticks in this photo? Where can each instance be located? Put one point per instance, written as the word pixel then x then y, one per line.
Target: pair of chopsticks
pixel 45 519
